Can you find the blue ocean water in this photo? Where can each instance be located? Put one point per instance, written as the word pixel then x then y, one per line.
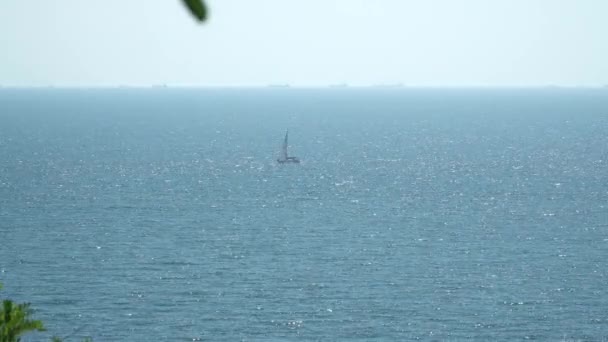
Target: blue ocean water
pixel 416 214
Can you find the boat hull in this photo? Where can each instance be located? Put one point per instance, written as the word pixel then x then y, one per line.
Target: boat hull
pixel 289 160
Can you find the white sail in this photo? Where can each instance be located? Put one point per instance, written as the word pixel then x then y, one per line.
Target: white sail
pixel 283 155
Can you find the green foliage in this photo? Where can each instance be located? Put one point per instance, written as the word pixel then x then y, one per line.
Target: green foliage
pixel 197 9
pixel 15 321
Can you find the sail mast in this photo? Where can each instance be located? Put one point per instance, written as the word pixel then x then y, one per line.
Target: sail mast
pixel 284 157
pixel 284 149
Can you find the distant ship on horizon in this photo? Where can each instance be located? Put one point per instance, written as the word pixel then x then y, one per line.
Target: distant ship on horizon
pixel 284 158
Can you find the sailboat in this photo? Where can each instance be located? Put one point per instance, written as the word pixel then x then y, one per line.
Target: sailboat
pixel 284 157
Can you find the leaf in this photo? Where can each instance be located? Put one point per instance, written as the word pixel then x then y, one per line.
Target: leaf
pixel 197 9
pixel 15 321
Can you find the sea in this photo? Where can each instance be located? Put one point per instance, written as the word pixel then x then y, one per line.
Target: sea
pixel 161 214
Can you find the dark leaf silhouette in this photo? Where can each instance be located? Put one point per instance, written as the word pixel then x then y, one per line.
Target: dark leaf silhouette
pixel 197 8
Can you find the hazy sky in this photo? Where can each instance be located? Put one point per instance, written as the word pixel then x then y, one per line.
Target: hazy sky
pixel 305 42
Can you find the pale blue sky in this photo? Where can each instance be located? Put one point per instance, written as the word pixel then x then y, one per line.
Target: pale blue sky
pixel 307 43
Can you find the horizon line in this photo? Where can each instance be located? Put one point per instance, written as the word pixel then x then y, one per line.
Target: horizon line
pixel 299 86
